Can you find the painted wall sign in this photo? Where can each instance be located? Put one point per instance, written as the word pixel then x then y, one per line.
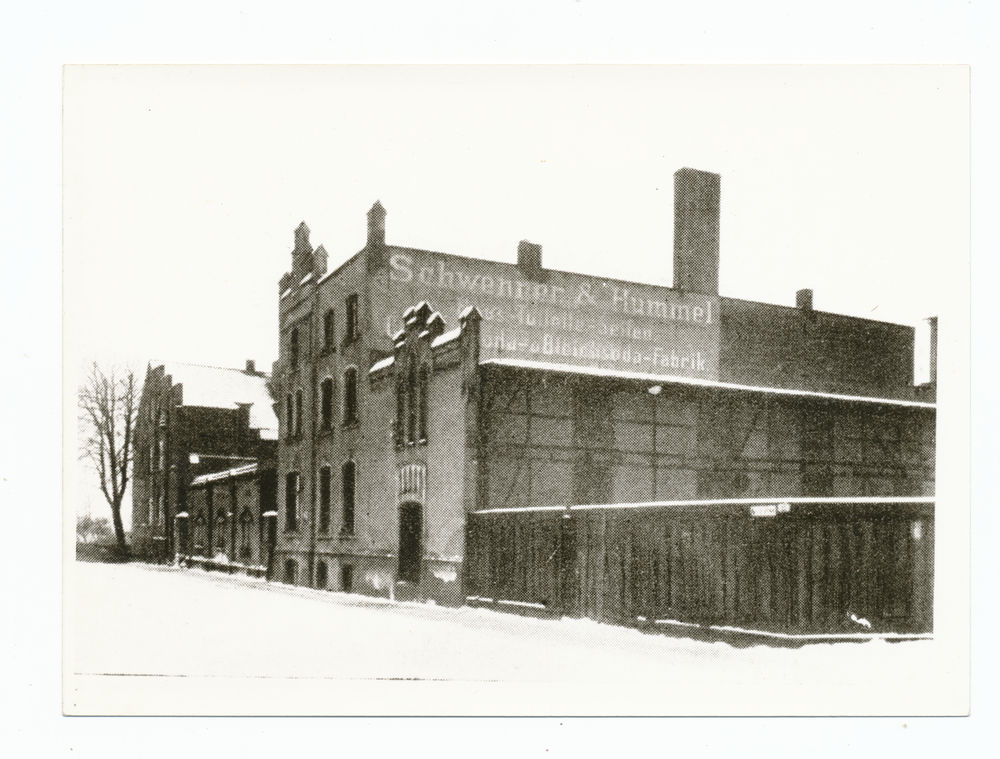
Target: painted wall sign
pixel 566 318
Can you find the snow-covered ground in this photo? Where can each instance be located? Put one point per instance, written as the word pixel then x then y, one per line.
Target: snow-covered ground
pixel 171 623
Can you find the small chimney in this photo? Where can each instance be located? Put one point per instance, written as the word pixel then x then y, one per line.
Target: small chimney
pixel 804 300
pixel 933 321
pixel 529 259
pixel 319 262
pixel 696 231
pixel 251 367
pixel 376 226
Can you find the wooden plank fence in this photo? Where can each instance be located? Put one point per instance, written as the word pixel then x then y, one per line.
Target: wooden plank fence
pixel 801 567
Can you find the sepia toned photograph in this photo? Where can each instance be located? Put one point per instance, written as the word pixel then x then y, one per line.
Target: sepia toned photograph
pixel 516 390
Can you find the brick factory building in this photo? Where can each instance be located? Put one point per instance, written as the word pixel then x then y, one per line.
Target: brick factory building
pixel 415 387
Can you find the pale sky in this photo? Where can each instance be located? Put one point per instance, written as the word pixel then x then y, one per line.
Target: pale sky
pixel 871 166
pixel 184 184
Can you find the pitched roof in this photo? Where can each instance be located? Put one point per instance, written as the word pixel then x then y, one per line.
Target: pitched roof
pixel 217 387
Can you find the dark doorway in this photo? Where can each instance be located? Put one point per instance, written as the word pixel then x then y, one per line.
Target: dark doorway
pixel 410 533
pixel 347 578
pixel 291 569
pixel 321 575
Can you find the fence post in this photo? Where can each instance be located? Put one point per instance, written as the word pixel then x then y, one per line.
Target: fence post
pixel 568 574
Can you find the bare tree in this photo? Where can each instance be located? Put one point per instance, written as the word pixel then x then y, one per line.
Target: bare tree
pixel 108 404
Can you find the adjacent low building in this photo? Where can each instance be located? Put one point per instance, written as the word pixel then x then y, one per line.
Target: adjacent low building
pixel 194 421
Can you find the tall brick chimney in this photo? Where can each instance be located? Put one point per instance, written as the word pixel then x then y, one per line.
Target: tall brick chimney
pixel 375 250
pixel 933 360
pixel 696 231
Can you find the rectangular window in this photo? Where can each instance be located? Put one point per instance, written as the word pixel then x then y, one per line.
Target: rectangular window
pixel 326 404
pixel 161 455
pixel 349 474
pixel 291 501
pixel 289 417
pixel 298 412
pixel 293 348
pixel 328 331
pixel 324 499
pixel 350 396
pixel 351 329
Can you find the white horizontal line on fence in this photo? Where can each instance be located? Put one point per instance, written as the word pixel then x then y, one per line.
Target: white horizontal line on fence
pixel 522 603
pixel 523 508
pixel 902 500
pixel 752 501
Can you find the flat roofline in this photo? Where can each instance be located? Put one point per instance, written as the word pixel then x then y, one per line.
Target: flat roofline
pixel 543 366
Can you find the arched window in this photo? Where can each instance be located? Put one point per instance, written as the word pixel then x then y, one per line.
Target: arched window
pixel 293 348
pixel 298 412
pixel 220 529
pixel 326 404
pixel 328 331
pixel 289 416
pixel 351 396
pixel 291 501
pixel 422 402
pixel 325 475
pixel 400 408
pixel 348 476
pixel 411 401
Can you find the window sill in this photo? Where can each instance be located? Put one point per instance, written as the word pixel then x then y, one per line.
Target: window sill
pixel 351 424
pixel 347 535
